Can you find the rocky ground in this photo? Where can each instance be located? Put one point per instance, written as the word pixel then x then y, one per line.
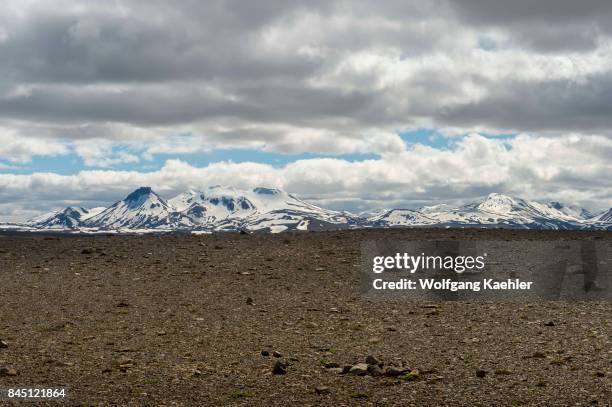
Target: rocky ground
pixel 211 320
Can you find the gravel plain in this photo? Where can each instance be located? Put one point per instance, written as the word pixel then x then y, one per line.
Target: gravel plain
pixel 180 320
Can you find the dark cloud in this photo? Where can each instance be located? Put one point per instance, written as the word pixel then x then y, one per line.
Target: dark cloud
pixel 300 64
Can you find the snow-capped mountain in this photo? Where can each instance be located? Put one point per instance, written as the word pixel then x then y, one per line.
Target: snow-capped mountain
pixel 496 210
pixel 68 218
pixel 400 217
pixel 142 209
pixel 221 208
pixel 605 217
pixel 573 211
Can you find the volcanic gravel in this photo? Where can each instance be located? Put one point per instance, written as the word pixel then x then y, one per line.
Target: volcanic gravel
pixel 232 319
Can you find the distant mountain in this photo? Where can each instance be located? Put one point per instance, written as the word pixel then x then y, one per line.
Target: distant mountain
pixel 268 210
pixel 68 218
pixel 605 217
pixel 142 209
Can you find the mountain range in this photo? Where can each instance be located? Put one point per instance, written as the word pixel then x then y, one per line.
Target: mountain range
pixel 229 209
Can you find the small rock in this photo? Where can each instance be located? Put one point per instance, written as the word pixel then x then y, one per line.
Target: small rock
pixel 600 374
pixel 277 354
pixel 87 251
pixel 8 371
pixel 391 329
pixel 265 353
pixel 538 355
pixel 3 344
pixel 123 304
pixel 374 370
pixel 372 360
pixel 322 390
pixel 549 323
pixel 481 373
pixel 279 368
pixel 360 369
pixel 337 370
pixel 249 301
pixel 393 371
pixel 331 365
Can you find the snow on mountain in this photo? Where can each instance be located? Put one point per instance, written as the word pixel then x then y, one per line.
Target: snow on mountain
pixel 221 208
pixel 142 209
pixel 570 210
pixel 400 217
pixel 68 218
pixel 505 211
pixel 227 208
pixel 605 217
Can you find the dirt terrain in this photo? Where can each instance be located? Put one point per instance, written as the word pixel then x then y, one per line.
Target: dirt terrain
pixel 188 321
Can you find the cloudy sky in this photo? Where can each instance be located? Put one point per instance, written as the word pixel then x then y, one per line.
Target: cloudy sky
pixel 353 105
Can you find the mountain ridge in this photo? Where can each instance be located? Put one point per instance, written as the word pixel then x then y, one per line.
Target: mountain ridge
pixel 222 208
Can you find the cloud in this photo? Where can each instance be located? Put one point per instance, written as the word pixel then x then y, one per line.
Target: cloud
pixel 230 74
pixel 20 150
pixel 531 167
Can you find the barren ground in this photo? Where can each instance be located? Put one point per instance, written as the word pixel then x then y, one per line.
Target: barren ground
pixel 165 320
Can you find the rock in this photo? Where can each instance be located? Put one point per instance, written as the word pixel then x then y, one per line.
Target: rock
pixel 123 304
pixel 265 353
pixel 346 369
pixel 375 370
pixel 372 360
pixel 87 251
pixel 322 390
pixel 538 355
pixel 279 368
pixel 8 371
pixel 481 373
pixel 277 354
pixel 393 371
pixel 549 323
pixel 3 344
pixel 411 376
pixel 337 370
pixel 249 301
pixel 360 369
pixel 331 365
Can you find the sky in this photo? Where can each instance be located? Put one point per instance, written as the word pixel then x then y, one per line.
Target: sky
pixel 351 105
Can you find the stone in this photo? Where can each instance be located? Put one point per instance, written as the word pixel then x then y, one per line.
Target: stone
pixel 277 354
pixel 3 344
pixel 322 390
pixel 393 371
pixel 360 369
pixel 374 370
pixel 279 368
pixel 249 301
pixel 372 360
pixel 8 371
pixel 481 373
pixel 331 365
pixel 265 353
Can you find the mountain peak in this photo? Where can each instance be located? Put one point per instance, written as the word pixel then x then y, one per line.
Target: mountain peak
pixel 139 193
pixel 266 191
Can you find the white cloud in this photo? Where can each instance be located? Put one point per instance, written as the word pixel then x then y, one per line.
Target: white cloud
pixel 527 166
pixel 18 149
